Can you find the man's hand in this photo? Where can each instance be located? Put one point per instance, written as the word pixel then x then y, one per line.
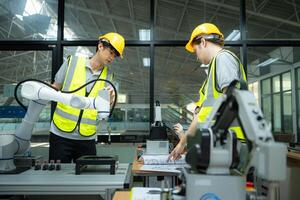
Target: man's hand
pixel 178 130
pixel 112 95
pixel 58 86
pixel 178 150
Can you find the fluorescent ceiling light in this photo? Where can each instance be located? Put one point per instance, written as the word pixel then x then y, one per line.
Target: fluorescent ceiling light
pixel 144 34
pixel 267 62
pixel 233 36
pixel 146 62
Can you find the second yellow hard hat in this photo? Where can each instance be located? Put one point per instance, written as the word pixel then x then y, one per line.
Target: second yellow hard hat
pixel 203 29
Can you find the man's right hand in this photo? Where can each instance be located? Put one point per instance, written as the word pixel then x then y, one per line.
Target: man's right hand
pixel 178 150
pixel 178 130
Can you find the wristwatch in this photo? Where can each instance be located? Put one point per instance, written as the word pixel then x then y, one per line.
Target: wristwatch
pixel 197 110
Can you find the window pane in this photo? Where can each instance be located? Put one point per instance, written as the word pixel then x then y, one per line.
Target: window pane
pixel 176 19
pixel 118 115
pixel 266 86
pixel 298 118
pixel 138 115
pixel 132 82
pixel 17 66
pixel 178 77
pixel 277 113
pixel 28 19
pixel 267 61
pixel 298 77
pixel 89 19
pixel 286 81
pixel 271 61
pixel 276 84
pixel 287 112
pixel 266 103
pixel 263 22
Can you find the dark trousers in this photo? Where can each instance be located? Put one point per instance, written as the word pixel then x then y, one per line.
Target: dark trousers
pixel 67 150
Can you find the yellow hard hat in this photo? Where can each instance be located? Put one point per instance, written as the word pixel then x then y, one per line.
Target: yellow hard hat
pixel 203 29
pixel 116 40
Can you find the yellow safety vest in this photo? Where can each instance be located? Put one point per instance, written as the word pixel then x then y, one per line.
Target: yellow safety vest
pixel 67 118
pixel 201 94
pixel 208 94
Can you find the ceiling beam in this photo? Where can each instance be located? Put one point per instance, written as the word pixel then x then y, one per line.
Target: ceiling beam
pixel 109 15
pixel 295 10
pixel 237 9
pixel 92 18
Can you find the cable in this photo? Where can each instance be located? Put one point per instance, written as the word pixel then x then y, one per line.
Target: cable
pixel 47 84
pixel 18 85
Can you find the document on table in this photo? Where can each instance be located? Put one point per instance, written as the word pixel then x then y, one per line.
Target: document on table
pixel 162 168
pixel 160 163
pixel 162 160
pixel 140 193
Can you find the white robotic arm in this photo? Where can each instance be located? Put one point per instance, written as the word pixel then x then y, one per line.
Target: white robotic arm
pixel 38 91
pixel 40 94
pixel 267 156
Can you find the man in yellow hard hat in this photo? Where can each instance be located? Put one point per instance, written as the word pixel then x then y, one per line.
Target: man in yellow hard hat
pixel 72 131
pixel 207 41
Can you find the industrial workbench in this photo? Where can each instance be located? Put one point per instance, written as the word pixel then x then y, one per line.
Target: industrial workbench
pixel 65 182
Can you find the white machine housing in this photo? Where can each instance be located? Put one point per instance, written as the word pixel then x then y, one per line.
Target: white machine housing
pixel 157 146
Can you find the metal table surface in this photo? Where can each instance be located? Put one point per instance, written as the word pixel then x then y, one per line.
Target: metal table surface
pixel 65 182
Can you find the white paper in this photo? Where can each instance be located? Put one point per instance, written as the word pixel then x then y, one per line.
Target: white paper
pixel 161 160
pixel 140 193
pixel 162 168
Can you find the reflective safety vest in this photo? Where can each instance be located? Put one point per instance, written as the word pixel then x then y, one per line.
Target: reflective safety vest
pixel 201 94
pixel 208 94
pixel 67 118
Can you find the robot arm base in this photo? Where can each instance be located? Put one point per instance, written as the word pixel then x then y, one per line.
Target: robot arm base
pixel 8 146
